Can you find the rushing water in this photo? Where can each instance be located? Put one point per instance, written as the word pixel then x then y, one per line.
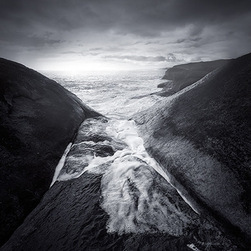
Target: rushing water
pixel 135 191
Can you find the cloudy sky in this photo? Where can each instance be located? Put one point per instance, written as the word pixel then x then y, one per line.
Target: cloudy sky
pixel 122 34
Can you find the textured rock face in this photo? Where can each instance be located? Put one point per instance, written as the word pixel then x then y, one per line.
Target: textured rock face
pixel 71 217
pixel 202 136
pixel 181 76
pixel 114 205
pixel 38 118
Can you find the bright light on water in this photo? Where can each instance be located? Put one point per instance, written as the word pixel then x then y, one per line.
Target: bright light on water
pixel 113 94
pixel 88 65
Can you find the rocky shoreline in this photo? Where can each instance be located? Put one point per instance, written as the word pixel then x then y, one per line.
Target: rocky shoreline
pixel 180 76
pixel 199 134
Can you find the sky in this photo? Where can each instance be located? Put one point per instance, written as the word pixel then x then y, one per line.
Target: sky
pixel 88 35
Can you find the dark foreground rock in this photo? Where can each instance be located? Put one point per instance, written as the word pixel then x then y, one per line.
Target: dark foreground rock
pixel 181 76
pixel 202 136
pixel 38 118
pixel 143 212
pixel 70 217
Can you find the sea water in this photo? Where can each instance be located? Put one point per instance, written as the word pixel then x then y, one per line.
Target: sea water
pixel 129 173
pixel 135 190
pixel 113 94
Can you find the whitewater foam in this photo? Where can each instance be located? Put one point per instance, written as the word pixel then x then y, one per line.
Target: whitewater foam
pixel 60 164
pixel 135 191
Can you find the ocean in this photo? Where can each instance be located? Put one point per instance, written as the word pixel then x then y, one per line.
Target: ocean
pixel 139 207
pixel 113 94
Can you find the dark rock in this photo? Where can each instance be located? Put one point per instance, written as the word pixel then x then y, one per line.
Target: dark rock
pixel 38 118
pixel 202 136
pixel 181 76
pixel 70 217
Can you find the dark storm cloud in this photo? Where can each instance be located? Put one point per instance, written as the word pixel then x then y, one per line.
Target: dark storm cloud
pixel 169 58
pixel 23 40
pixel 37 24
pixel 143 17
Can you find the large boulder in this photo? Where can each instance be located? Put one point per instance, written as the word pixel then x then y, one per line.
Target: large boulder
pixel 38 119
pixel 202 137
pixel 181 76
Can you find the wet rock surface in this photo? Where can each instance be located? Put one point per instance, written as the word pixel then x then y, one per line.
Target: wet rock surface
pixel 38 118
pixel 201 135
pixel 127 206
pixel 70 218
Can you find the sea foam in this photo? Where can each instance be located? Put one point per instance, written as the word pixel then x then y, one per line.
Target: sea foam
pixel 135 191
